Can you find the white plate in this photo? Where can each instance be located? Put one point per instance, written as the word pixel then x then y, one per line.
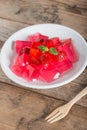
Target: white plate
pixel 50 30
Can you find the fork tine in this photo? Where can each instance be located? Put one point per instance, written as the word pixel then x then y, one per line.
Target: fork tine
pixel 52 114
pixel 54 117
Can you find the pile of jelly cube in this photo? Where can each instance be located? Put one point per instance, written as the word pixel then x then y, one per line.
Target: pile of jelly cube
pixel 43 58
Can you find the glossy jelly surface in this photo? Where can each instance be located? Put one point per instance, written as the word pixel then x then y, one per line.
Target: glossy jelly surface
pixel 44 58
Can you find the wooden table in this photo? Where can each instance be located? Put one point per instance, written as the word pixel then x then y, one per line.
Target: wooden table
pixel 25 109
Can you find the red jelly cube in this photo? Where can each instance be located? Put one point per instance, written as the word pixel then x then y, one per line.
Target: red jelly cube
pixel 70 50
pixel 48 74
pixel 22 60
pixel 63 66
pixel 66 41
pixel 53 42
pixel 35 56
pixel 56 41
pixel 35 52
pixel 25 50
pixel 17 69
pixel 36 44
pixel 25 74
pixel 48 58
pixel 61 56
pixel 19 45
pixel 37 38
pixel 31 71
pixel 20 63
pixel 35 75
pixel 50 43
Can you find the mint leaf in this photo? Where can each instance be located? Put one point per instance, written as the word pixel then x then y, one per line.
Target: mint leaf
pixel 53 51
pixel 43 48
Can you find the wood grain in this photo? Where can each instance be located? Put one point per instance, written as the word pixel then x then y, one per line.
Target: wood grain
pixel 72 14
pixel 7 28
pixel 25 108
pixel 18 111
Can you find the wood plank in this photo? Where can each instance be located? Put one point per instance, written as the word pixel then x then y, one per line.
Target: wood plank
pixel 82 4
pixel 7 28
pixel 32 12
pixel 25 110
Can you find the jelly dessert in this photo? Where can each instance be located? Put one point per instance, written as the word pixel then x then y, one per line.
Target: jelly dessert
pixel 43 58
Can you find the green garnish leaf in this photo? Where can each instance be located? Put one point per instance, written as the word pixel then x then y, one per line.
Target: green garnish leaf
pixel 43 48
pixel 53 51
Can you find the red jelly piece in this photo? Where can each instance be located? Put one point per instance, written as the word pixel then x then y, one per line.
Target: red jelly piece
pixel 66 41
pixel 63 66
pixel 35 61
pixel 31 71
pixel 24 59
pixel 56 41
pixel 47 58
pixel 60 48
pixel 19 45
pixel 61 56
pixel 25 74
pixel 35 75
pixel 36 44
pixel 25 50
pixel 20 63
pixel 35 52
pixel 17 69
pixel 48 74
pixel 50 43
pixel 53 42
pixel 37 38
pixel 35 56
pixel 70 50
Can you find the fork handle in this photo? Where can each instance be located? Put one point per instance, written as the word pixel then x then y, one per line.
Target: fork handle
pixel 78 96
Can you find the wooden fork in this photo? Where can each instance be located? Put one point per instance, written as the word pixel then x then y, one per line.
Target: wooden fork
pixel 62 111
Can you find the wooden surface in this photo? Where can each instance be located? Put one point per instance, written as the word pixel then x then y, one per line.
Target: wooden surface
pixel 25 109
